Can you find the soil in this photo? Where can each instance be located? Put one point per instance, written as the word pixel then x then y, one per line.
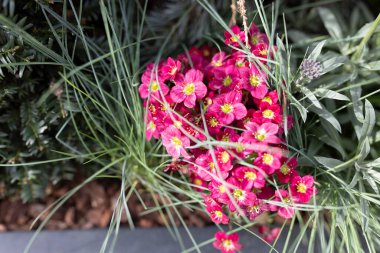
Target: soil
pixel 91 207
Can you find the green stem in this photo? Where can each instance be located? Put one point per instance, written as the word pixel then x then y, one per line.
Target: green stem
pixel 366 38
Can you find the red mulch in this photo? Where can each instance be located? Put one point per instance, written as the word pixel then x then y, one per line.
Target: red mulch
pixel 91 207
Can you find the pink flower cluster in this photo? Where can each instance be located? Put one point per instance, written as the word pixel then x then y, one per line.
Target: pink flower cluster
pixel 206 96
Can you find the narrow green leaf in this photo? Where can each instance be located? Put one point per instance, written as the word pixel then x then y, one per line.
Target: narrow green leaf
pixel 330 22
pixel 374 66
pixel 375 163
pixel 326 93
pixel 329 163
pixel 333 63
pixel 317 50
pixel 327 116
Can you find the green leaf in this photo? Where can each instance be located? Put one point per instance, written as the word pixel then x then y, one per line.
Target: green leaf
pixel 357 105
pixel 301 109
pixel 374 66
pixel 310 95
pixel 371 182
pixel 325 115
pixel 369 121
pixel 330 22
pixel 317 50
pixel 329 163
pixel 364 30
pixel 333 63
pixel 326 93
pixel 375 163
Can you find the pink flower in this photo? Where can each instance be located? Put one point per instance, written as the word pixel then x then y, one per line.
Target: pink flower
pixel 228 135
pixel 199 184
pixel 269 99
pixel 227 243
pixel 170 69
pixel 189 89
pixel 206 168
pixel 286 211
pixel 249 177
pixel 219 191
pixel 255 82
pixel 209 201
pixel 174 142
pixel 228 108
pixel 152 85
pixel 217 215
pixel 233 39
pixel 218 59
pixel 213 123
pixel 261 50
pixel 223 158
pixel 287 169
pixel 151 130
pixel 302 188
pixel 272 235
pixel 268 113
pixel 269 162
pixel 238 59
pixel 241 196
pixel 255 37
pixel 254 210
pixel 226 78
pixel 243 148
pixel 265 133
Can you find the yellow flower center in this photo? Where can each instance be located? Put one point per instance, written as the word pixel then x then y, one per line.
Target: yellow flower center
pixel 198 181
pixel 267 159
pixel 227 81
pixel 151 125
pixel 286 200
pixel 206 52
pixel 218 214
pixel 224 157
pixel 260 135
pixel 235 38
pixel 176 142
pixel 240 147
pixel 226 138
pixel 269 114
pixel 217 63
pixel 254 81
pixel 189 89
pixel 250 175
pixel 213 122
pixel 263 52
pixel 211 165
pixel 173 70
pixel 267 99
pixel 222 189
pixel 239 63
pixel 228 245
pixel 152 108
pixel 238 194
pixel 301 188
pixel 163 108
pixel 227 108
pixel 154 86
pixel 177 124
pixel 254 39
pixel 285 169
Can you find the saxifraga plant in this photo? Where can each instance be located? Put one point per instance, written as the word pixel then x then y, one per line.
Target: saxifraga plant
pixel 331 94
